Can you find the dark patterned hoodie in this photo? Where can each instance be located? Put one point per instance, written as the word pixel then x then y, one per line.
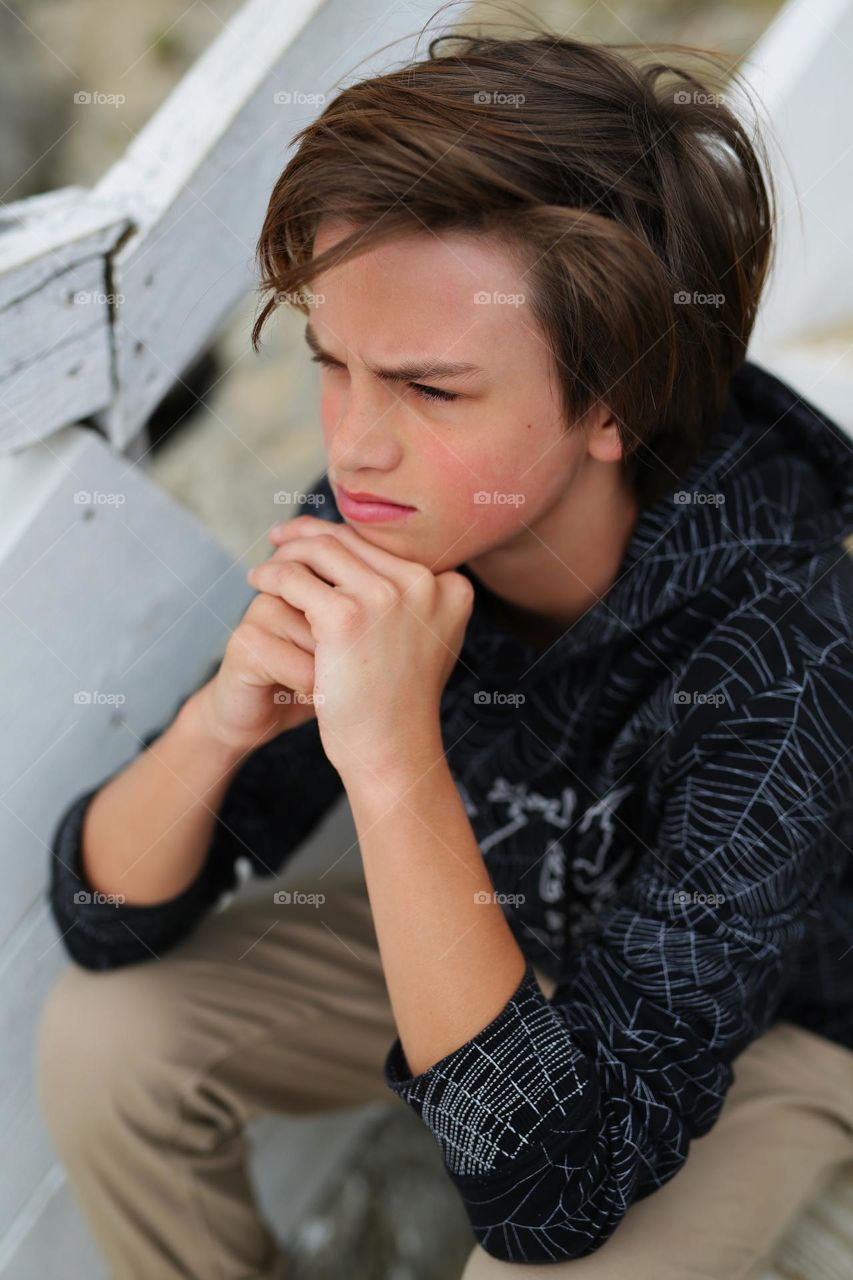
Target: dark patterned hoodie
pixel 663 800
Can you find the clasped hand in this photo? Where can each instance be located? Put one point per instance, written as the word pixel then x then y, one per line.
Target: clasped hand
pixel 387 634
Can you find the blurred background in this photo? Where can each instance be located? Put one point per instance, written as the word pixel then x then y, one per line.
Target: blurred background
pixel 139 138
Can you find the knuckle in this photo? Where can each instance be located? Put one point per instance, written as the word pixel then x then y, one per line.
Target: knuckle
pixel 386 592
pixel 244 637
pixel 289 569
pixel 349 612
pixel 422 584
pixel 265 608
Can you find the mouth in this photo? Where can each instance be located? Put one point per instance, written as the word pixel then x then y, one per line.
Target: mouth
pixel 370 509
pixel 374 499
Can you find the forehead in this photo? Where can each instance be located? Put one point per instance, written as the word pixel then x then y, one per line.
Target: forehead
pixel 459 285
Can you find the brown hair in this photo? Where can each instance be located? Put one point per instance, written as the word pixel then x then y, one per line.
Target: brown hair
pixel 634 193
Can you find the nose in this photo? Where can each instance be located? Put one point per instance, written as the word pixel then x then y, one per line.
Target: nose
pixel 363 436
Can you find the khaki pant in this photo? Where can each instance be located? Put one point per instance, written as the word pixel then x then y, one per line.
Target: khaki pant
pixel 146 1075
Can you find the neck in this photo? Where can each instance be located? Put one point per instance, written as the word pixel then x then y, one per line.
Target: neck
pixel 554 570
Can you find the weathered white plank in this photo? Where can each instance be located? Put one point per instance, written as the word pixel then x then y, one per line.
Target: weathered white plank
pixel 126 597
pixel 197 179
pixel 55 359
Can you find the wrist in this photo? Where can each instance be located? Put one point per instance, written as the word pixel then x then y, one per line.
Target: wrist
pixel 196 724
pixel 399 765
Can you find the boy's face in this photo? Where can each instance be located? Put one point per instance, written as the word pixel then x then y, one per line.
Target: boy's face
pixel 421 299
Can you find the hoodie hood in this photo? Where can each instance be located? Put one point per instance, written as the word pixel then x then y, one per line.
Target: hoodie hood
pixel 775 484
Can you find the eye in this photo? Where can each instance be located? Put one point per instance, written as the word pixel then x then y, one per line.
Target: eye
pixel 432 393
pixel 327 362
pixel 426 393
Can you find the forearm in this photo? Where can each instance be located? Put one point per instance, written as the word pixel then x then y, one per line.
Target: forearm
pixel 147 831
pixel 450 961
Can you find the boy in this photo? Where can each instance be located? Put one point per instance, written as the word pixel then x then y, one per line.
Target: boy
pixel 572 631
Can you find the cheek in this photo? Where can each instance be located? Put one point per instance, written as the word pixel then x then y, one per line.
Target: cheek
pixel 504 484
pixel 330 411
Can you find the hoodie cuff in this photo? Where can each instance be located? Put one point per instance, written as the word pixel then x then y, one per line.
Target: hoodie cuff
pixel 101 932
pixel 490 1103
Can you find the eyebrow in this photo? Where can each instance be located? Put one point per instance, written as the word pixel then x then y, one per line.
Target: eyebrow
pixel 411 371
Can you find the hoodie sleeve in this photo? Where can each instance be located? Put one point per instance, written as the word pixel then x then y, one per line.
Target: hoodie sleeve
pixel 559 1114
pixel 275 799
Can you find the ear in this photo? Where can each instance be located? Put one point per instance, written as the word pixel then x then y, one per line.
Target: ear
pixel 604 442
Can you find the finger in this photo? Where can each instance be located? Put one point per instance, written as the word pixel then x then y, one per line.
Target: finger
pixel 281 619
pixel 296 584
pixel 273 660
pixel 286 528
pixel 337 564
pixel 404 573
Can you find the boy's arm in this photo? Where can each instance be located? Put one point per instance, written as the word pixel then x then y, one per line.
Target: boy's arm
pixel 556 1115
pixel 260 810
pixel 147 829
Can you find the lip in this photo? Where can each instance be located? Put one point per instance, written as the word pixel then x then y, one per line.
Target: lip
pixel 369 507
